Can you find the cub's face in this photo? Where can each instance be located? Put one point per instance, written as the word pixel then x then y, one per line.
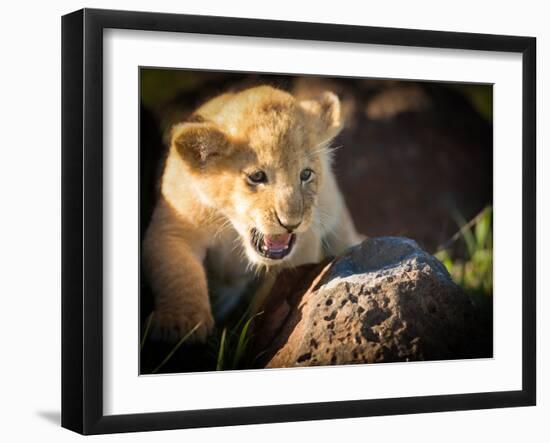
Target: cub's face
pixel 260 161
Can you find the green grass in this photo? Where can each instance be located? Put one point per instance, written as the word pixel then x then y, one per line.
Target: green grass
pixel 468 255
pixel 232 344
pixel 228 347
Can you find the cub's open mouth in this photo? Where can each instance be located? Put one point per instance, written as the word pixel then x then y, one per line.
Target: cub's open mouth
pixel 274 247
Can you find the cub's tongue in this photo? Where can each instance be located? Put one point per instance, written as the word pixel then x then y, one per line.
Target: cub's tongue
pixel 276 241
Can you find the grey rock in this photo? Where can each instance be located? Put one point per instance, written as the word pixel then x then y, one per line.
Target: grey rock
pixel 385 300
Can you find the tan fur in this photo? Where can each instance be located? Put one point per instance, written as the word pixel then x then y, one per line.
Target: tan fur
pixel 207 204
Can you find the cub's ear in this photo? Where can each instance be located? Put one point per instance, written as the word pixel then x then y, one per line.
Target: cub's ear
pixel 200 144
pixel 326 115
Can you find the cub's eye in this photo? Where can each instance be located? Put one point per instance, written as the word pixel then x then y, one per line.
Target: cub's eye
pixel 306 175
pixel 257 178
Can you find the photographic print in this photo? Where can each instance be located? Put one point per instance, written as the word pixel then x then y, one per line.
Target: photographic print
pixel 298 221
pixel 256 208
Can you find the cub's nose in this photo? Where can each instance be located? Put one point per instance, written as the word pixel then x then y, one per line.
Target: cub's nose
pixel 288 225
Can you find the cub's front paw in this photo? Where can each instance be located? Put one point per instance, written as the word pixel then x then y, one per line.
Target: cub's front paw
pixel 174 325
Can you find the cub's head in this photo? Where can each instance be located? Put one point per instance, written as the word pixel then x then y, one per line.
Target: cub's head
pixel 259 157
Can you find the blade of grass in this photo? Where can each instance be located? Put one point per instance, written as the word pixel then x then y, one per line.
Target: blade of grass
pixel 241 344
pixel 173 351
pixel 219 363
pixel 483 229
pixel 147 329
pixel 459 234
pixel 221 351
pixel 466 231
pixel 242 319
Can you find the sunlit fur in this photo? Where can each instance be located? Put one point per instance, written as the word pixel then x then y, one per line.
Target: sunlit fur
pixel 208 207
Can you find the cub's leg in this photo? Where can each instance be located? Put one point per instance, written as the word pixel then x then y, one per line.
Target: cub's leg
pixel 173 255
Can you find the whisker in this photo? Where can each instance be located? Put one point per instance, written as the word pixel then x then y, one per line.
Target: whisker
pixel 222 228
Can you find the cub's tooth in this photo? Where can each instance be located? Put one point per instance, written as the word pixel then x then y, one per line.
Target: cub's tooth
pixel 286 247
pixel 264 248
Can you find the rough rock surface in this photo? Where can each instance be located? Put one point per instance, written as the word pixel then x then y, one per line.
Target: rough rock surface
pixel 385 300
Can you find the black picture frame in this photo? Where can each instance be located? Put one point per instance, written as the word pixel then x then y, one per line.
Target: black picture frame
pixel 82 220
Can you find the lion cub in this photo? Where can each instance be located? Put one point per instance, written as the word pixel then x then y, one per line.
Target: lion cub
pixel 247 180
